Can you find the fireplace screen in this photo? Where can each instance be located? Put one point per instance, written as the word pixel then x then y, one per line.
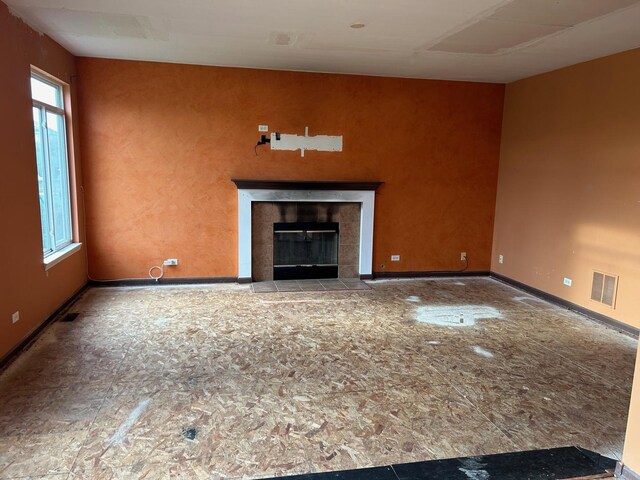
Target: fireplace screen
pixel 305 250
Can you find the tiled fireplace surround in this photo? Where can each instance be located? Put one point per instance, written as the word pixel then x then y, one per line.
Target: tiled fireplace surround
pixel 265 214
pixel 262 203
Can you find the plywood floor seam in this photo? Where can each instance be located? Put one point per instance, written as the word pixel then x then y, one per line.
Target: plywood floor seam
pixel 213 381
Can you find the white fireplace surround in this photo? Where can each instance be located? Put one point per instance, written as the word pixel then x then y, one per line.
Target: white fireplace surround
pixel 366 199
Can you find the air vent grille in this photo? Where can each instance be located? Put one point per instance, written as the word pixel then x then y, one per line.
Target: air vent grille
pixel 69 317
pixel 604 288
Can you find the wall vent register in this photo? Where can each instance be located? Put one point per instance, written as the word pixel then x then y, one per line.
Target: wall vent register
pixel 604 288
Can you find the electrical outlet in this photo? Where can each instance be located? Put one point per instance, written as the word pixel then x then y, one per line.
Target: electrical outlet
pixel 395 258
pixel 500 259
pixel 567 281
pixel 15 317
pixel 170 261
pixel 463 256
pixel 263 128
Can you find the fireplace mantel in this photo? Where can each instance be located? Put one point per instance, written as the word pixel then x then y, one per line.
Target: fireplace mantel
pixel 300 191
pixel 303 185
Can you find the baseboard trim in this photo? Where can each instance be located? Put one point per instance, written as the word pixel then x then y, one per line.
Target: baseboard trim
pixel 145 282
pixel 244 280
pixel 611 322
pixel 36 331
pixel 428 274
pixel 366 276
pixel 625 473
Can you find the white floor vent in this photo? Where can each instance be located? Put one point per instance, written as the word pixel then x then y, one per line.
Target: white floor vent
pixel 604 288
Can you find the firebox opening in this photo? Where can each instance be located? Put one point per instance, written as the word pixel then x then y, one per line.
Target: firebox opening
pixel 304 250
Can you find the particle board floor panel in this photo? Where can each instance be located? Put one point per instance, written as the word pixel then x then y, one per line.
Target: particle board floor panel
pixel 212 381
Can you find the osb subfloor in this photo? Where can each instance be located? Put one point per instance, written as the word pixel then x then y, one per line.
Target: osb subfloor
pixel 216 382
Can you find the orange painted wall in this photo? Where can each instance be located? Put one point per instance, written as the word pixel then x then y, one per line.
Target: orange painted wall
pixel 24 284
pixel 569 186
pixel 162 141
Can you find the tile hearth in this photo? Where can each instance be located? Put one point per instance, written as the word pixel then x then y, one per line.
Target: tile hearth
pixel 328 284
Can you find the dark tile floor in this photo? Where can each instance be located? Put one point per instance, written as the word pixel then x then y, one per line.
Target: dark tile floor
pixel 546 464
pixel 328 284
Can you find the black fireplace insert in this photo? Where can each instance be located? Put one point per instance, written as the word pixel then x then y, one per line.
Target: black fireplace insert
pixel 303 250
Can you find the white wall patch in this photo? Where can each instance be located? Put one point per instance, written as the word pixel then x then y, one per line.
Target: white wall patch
pixel 321 143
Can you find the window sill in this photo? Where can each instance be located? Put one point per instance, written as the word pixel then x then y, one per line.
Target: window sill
pixel 60 255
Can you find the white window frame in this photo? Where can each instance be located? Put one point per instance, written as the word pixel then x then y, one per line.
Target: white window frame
pixel 59 249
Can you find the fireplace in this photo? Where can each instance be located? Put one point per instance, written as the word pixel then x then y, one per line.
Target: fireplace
pixel 304 250
pixel 261 203
pixel 301 240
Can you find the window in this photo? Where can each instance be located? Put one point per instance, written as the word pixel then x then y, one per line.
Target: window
pixel 52 162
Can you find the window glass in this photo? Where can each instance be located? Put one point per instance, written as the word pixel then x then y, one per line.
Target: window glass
pixel 52 165
pixel 45 92
pixel 42 180
pixel 59 179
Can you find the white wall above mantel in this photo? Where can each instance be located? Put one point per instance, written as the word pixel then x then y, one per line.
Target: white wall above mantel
pixel 366 198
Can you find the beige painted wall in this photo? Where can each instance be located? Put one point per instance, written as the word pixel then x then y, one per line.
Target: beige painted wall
pixel 631 456
pixel 24 284
pixel 568 197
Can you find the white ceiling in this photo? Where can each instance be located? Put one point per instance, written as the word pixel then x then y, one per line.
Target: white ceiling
pixel 478 40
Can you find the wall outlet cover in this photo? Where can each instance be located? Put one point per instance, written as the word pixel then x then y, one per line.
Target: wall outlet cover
pixel 263 128
pixel 567 281
pixel 15 316
pixel 170 261
pixel 463 256
pixel 500 259
pixel 395 258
